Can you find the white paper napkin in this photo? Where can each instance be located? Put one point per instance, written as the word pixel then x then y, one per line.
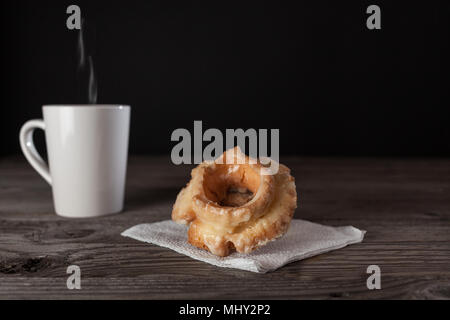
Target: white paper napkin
pixel 303 240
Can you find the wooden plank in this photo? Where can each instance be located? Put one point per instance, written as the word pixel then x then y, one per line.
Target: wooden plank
pixel 404 204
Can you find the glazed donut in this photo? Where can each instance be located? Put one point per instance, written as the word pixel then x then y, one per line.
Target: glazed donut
pixel 229 204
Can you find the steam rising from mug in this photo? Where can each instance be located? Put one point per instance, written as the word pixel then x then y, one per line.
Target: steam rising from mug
pixel 88 63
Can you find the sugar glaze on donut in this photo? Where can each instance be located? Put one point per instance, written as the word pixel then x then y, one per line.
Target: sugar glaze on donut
pixel 230 205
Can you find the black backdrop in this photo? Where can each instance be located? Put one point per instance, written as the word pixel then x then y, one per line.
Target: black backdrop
pixel 313 69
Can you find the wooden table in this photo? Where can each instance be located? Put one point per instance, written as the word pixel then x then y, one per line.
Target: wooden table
pixel 404 204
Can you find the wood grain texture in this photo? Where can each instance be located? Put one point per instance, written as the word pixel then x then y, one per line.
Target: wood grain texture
pixel 404 204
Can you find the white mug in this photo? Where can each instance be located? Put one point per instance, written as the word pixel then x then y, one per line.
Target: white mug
pixel 87 147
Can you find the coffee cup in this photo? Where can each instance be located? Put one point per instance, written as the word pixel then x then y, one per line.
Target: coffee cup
pixel 87 148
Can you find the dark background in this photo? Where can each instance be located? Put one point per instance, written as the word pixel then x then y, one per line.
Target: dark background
pixel 312 69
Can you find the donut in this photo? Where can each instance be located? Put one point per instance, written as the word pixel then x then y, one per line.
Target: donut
pixel 231 205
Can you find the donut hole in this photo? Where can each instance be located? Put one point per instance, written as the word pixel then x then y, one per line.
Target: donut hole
pixel 231 185
pixel 236 197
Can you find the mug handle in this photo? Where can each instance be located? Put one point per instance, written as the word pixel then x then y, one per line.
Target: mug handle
pixel 29 150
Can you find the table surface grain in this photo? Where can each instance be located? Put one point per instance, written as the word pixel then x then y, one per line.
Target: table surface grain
pixel 404 204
